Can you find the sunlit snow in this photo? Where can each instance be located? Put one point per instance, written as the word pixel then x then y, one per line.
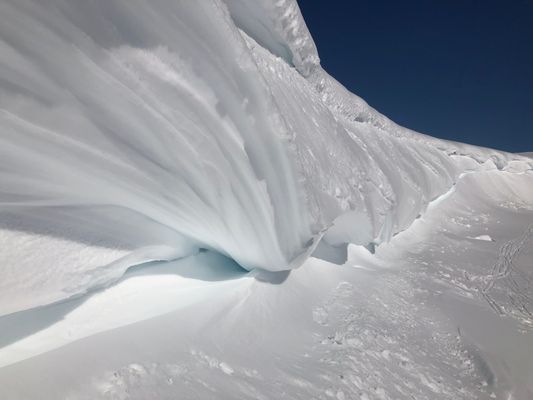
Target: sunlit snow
pixel 166 164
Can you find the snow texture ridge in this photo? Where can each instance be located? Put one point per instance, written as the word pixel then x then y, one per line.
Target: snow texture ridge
pixel 278 26
pixel 134 131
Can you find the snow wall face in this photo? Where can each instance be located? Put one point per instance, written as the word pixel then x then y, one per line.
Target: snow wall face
pixel 143 130
pixel 152 107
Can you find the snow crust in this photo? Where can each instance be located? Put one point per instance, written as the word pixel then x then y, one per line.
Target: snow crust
pixel 133 131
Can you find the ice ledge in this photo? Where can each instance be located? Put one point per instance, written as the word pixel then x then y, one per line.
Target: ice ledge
pixel 278 26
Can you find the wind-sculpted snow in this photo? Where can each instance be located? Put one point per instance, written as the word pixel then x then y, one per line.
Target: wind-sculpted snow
pixel 135 124
pixel 278 26
pixel 139 130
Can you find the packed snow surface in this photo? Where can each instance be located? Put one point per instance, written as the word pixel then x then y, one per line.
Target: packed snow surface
pixel 203 141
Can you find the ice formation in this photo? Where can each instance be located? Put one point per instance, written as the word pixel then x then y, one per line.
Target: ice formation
pixel 138 130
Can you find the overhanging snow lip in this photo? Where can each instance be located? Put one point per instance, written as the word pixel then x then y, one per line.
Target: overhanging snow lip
pixel 278 27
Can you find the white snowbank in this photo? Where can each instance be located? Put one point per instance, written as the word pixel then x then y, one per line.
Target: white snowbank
pixel 144 130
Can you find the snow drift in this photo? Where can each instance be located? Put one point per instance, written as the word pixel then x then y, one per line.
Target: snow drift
pixel 133 131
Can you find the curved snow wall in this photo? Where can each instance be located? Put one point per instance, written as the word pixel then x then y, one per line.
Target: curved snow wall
pixel 136 130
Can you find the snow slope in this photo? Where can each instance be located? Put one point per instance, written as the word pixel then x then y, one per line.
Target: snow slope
pixel 138 131
pixel 410 321
pixel 141 133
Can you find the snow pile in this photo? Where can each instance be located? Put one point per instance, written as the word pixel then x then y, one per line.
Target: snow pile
pixel 145 130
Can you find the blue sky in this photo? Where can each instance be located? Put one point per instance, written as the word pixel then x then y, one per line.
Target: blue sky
pixel 456 69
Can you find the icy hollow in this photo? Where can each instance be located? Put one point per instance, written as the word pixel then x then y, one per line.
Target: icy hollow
pixel 137 130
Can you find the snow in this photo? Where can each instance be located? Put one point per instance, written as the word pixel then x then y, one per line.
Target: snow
pixel 207 171
pixel 138 296
pixel 172 116
pixel 408 321
pixel 278 26
pixel 151 150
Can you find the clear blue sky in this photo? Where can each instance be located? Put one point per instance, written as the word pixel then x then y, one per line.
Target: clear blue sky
pixel 456 69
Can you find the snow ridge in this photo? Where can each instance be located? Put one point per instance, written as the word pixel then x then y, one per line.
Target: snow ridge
pixel 279 27
pixel 147 130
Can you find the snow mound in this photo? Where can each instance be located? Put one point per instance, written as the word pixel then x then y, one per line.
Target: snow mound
pixel 139 131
